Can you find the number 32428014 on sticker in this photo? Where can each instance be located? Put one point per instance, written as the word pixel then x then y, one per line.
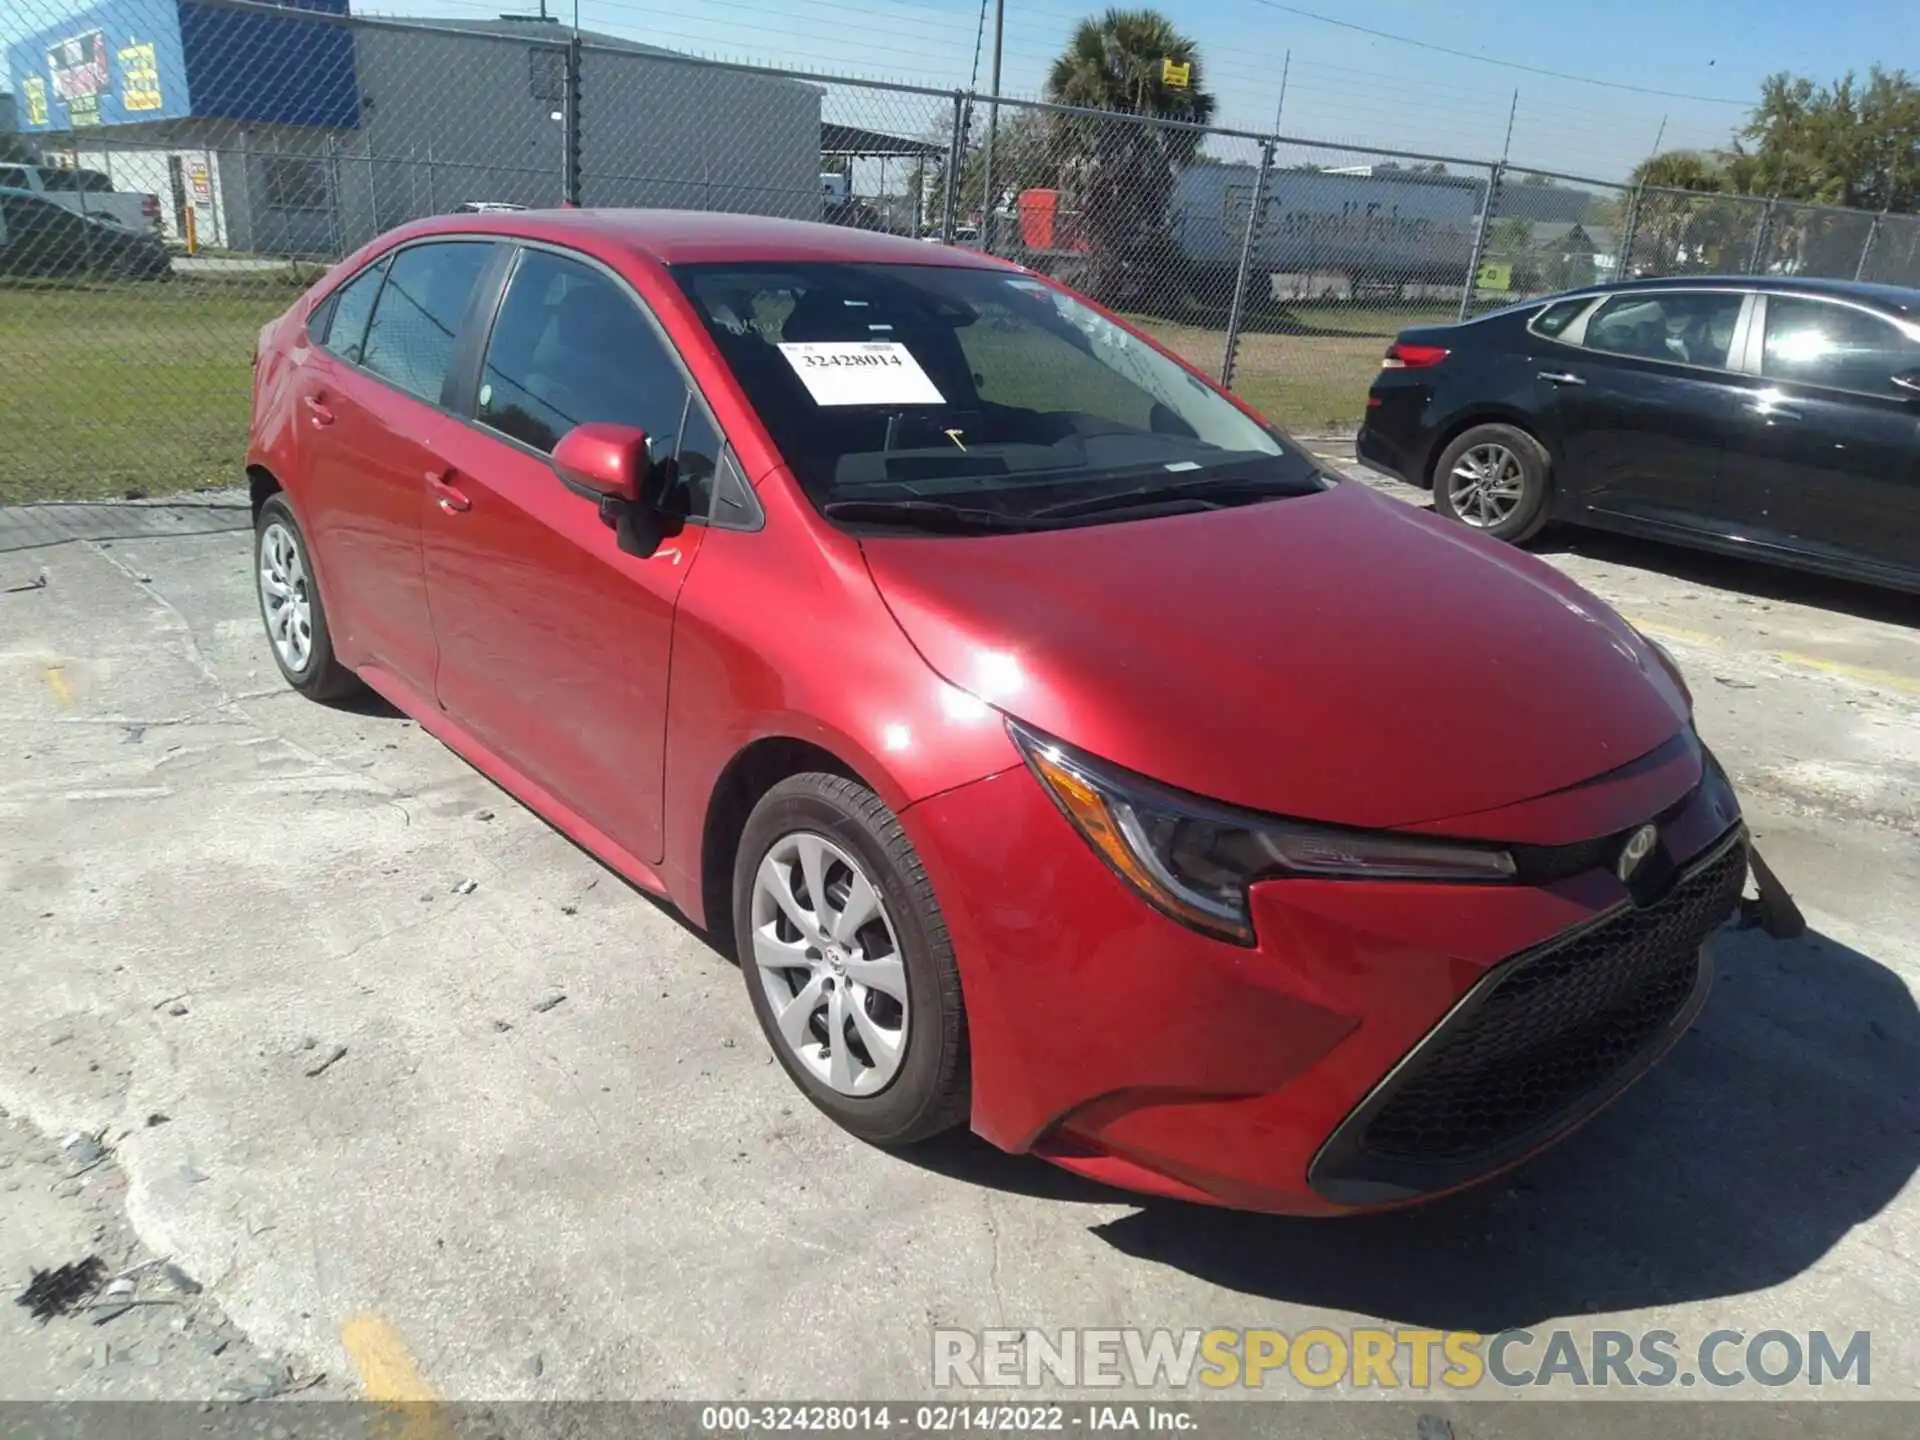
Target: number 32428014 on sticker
pixel 860 372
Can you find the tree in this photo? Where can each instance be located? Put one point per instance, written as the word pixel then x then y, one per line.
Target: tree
pixel 1024 158
pixel 1688 223
pixel 1119 174
pixel 1841 144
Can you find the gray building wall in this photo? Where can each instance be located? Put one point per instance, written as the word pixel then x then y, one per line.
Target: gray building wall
pixel 452 117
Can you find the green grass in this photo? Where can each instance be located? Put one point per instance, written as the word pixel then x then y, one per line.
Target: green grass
pixel 116 385
pixel 107 387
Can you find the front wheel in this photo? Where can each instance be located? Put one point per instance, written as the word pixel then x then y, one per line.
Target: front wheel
pixel 847 961
pixel 1494 478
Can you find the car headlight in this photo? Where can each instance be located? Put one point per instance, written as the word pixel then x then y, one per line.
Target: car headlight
pixel 1194 860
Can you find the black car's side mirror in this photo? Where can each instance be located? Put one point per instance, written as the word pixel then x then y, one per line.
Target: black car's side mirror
pixel 1909 381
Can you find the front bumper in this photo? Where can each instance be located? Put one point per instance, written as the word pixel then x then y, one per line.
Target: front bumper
pixel 1290 1076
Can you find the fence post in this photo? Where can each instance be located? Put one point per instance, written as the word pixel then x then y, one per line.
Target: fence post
pixel 1237 311
pixel 1629 232
pixel 954 152
pixel 1866 246
pixel 570 181
pixel 1762 236
pixel 1479 251
pixel 433 199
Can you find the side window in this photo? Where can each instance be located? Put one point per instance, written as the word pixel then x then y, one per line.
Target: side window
pixel 341 324
pixel 410 339
pixel 1555 318
pixel 570 347
pixel 691 493
pixel 1813 342
pixel 14 177
pixel 1688 327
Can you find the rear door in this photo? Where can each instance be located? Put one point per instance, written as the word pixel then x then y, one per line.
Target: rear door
pixel 1638 402
pixel 1827 458
pixel 370 408
pixel 553 641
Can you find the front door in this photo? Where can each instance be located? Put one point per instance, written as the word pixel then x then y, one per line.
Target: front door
pixel 1640 410
pixel 1828 456
pixel 553 642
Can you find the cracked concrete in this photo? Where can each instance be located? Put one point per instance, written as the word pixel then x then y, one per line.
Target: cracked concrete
pixel 208 885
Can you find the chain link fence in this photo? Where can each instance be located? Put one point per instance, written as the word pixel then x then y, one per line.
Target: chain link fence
pixel 180 169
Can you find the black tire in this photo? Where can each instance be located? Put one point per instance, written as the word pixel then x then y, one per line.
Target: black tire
pixel 931 1090
pixel 1524 520
pixel 321 677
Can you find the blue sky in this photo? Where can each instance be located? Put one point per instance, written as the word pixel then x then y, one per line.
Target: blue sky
pixel 1342 85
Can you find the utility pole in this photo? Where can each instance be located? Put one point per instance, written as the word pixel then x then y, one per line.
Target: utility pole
pixel 1286 67
pixel 993 123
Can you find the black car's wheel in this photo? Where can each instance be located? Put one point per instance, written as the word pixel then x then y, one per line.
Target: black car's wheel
pixel 290 606
pixel 847 960
pixel 1495 478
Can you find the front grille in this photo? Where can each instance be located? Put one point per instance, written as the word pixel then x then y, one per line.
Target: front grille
pixel 1549 1028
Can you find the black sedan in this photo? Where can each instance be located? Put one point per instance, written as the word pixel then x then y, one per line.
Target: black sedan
pixel 1771 418
pixel 41 238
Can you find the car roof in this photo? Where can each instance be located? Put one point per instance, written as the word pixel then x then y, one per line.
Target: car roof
pixel 1896 297
pixel 687 237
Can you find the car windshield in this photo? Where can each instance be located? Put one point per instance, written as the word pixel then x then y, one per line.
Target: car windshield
pixel 905 392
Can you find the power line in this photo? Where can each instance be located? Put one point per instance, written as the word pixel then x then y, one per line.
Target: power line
pixel 1489 60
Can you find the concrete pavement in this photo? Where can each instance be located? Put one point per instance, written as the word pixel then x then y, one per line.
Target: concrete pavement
pixel 521 1138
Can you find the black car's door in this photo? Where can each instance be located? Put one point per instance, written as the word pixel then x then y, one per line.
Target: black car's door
pixel 1638 401
pixel 1826 459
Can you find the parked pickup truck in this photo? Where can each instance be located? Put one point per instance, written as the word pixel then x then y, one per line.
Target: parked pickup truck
pixel 86 192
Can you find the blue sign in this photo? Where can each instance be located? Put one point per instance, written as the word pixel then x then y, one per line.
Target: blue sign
pixel 128 62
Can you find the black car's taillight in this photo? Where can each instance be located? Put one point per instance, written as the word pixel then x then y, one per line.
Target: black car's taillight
pixel 1404 356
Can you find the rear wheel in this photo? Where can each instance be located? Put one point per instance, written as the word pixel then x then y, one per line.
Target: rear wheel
pixel 290 606
pixel 847 961
pixel 1494 478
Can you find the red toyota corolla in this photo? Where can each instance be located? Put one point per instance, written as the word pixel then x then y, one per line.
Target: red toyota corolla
pixel 1059 748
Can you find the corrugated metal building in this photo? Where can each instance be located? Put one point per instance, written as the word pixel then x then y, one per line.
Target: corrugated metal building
pixel 311 133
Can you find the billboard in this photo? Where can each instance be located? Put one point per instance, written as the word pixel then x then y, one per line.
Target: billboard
pixel 127 62
pixel 117 63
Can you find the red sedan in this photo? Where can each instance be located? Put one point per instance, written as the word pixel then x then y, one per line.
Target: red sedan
pixel 1059 748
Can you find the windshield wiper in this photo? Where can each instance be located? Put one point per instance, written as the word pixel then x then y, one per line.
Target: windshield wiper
pixel 930 515
pixel 1223 488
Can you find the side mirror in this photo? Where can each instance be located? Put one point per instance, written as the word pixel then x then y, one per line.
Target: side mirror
pixel 609 460
pixel 1909 381
pixel 612 463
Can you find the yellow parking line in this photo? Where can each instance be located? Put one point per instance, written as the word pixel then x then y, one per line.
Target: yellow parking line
pixel 56 678
pixel 1867 676
pixel 388 1372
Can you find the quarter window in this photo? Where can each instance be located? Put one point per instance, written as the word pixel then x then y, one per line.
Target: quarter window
pixel 1687 327
pixel 410 340
pixel 1555 318
pixel 571 347
pixel 1815 342
pixel 342 326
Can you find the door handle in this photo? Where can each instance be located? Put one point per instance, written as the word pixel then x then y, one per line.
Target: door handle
pixel 318 411
pixel 449 495
pixel 1561 377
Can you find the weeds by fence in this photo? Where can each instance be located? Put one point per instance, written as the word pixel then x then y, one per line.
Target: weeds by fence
pixel 274 140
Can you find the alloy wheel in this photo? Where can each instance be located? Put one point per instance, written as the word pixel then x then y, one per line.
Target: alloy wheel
pixel 829 960
pixel 1486 485
pixel 286 601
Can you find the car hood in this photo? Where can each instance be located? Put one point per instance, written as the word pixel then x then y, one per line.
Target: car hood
pixel 1339 657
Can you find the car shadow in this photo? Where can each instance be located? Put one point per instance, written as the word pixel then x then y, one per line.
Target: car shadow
pixel 1784 1118
pixel 1729 572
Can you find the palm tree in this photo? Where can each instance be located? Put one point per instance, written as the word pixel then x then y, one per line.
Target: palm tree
pixel 1688 222
pixel 1119 174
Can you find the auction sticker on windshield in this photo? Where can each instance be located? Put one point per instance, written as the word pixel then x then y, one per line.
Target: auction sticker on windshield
pixel 861 372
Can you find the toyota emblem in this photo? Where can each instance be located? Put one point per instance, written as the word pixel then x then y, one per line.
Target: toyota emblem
pixel 1639 845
